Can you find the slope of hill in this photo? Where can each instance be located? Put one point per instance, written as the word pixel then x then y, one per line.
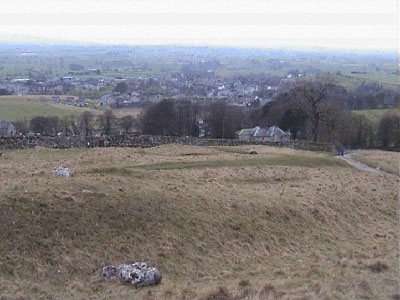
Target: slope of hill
pixel 308 224
pixel 375 115
pixel 385 160
pixel 14 108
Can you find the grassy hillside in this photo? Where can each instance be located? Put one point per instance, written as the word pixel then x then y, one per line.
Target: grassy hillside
pixel 307 224
pixel 375 115
pixel 385 160
pixel 13 108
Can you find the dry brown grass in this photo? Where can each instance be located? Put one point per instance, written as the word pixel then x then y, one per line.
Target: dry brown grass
pixel 386 160
pixel 308 225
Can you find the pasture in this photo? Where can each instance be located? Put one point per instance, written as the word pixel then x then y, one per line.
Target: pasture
pixel 375 115
pixel 14 108
pixel 279 224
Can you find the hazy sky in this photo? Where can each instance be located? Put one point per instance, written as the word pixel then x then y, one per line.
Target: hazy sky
pixel 348 24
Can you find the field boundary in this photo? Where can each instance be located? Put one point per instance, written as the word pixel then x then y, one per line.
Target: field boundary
pixel 143 141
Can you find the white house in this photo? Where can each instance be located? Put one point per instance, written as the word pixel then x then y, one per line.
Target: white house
pixel 7 129
pixel 272 134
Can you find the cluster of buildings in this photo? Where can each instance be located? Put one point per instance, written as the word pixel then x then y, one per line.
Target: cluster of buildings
pixel 244 90
pixel 68 100
pixel 53 85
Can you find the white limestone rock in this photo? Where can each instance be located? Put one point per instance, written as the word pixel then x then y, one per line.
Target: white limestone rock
pixel 62 171
pixel 136 273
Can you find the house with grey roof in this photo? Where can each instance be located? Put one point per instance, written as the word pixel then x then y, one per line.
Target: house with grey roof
pixel 7 128
pixel 81 102
pixel 275 134
pixel 272 134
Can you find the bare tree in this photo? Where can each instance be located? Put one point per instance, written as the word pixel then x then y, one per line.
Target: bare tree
pixel 53 123
pixel 314 92
pixel 160 119
pixel 106 121
pixel 74 124
pixel 127 123
pixel 389 131
pixel 330 119
pixel 354 130
pixel 121 88
pixel 85 121
pixel 65 125
pixel 224 120
pixel 22 126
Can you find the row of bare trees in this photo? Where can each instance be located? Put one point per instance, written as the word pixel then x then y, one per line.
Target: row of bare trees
pixel 182 118
pixel 85 124
pixel 170 117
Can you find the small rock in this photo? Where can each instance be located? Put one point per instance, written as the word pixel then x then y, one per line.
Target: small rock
pixel 87 191
pixel 253 152
pixel 380 235
pixel 62 171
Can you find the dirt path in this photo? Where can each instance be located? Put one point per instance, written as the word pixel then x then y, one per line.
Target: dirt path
pixel 349 158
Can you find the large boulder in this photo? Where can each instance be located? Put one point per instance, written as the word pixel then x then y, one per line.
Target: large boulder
pixel 136 273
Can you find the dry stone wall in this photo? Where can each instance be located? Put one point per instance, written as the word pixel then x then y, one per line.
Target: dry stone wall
pixel 141 141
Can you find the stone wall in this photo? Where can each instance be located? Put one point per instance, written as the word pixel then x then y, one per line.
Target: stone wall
pixel 143 141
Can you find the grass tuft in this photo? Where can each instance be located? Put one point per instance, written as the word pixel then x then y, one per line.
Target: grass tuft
pixel 378 267
pixel 221 293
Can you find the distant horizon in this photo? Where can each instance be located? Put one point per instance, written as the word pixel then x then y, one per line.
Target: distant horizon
pixel 58 43
pixel 48 41
pixel 355 25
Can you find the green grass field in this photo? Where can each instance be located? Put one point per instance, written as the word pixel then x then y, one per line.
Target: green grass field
pixel 14 108
pixel 375 115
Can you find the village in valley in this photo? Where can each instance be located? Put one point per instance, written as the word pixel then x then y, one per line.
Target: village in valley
pixel 199 150
pixel 253 91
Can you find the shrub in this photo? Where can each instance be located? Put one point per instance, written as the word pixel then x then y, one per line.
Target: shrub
pixel 221 293
pixel 378 267
pixel 268 290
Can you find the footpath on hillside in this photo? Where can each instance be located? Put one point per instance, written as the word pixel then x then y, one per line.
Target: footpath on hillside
pixel 349 158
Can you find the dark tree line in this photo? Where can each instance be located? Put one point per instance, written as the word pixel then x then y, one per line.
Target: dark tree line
pixel 4 92
pixel 85 124
pixel 180 118
pixel 371 95
pixel 389 132
pixel 223 120
pixel 173 118
pixel 316 109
